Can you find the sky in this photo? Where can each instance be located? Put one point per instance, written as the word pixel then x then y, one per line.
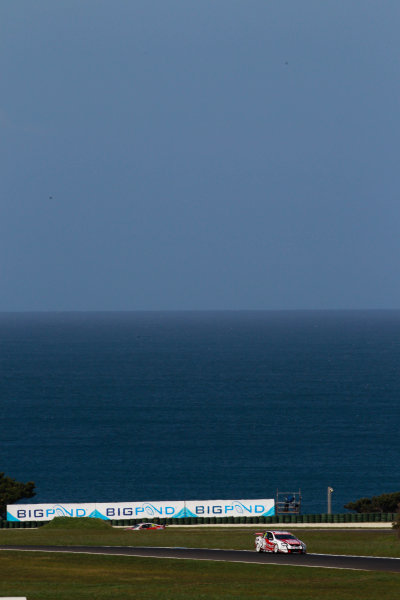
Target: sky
pixel 199 154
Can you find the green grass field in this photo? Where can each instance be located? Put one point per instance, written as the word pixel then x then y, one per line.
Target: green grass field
pixel 46 576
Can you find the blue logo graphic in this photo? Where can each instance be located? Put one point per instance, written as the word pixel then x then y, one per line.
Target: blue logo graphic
pixel 185 512
pixel 97 515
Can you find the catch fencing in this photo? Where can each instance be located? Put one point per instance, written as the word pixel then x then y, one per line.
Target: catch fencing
pixel 261 520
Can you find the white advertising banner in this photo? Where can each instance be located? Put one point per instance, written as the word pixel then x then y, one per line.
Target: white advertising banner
pixel 230 508
pixel 143 510
pixel 47 512
pixel 137 510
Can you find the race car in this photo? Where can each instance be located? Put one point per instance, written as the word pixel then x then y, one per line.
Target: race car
pixel 145 526
pixel 279 541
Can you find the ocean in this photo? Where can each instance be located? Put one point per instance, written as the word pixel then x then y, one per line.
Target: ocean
pixel 114 407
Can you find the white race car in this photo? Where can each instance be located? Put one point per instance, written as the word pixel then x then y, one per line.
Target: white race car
pixel 279 541
pixel 144 526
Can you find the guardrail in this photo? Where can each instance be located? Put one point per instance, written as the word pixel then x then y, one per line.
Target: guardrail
pixel 289 518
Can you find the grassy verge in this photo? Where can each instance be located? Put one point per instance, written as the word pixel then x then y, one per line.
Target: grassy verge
pixel 362 542
pixel 46 576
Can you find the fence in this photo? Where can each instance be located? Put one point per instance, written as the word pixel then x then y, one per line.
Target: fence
pixel 277 519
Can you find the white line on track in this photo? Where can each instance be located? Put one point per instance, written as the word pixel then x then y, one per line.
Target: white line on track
pixel 353 556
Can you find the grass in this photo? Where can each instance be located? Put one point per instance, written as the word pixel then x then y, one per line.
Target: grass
pixel 78 523
pixel 360 542
pixel 46 577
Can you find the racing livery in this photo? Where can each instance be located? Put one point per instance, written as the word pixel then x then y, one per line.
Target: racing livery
pixel 279 541
pixel 145 526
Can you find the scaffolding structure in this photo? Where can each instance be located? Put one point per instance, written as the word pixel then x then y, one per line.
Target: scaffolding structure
pixel 288 503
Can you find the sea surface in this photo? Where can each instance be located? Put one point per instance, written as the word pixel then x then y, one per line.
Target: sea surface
pixel 99 407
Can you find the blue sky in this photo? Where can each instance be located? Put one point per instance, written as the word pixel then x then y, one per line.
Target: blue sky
pixel 212 154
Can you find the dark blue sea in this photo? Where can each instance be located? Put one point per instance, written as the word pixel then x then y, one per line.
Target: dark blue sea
pixel 99 407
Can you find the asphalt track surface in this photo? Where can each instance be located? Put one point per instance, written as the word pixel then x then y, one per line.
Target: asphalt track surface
pixel 327 561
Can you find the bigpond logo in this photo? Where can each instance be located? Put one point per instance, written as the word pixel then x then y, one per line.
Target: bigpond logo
pixel 230 509
pixel 146 509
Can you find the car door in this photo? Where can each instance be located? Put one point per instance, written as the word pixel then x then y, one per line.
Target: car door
pixel 269 545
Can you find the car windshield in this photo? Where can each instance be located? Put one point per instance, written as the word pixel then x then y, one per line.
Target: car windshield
pixel 281 536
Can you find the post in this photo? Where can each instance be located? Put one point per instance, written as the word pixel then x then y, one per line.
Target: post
pixel 330 490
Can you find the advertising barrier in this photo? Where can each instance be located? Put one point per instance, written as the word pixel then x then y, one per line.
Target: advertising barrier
pixel 146 510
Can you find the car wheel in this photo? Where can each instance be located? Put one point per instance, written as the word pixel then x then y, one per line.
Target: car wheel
pixel 258 548
pixel 276 549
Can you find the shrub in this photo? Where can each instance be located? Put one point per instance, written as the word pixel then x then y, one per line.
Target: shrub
pixel 12 490
pixel 385 503
pixel 77 523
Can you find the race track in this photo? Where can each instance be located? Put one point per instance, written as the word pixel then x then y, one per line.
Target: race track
pixel 327 561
